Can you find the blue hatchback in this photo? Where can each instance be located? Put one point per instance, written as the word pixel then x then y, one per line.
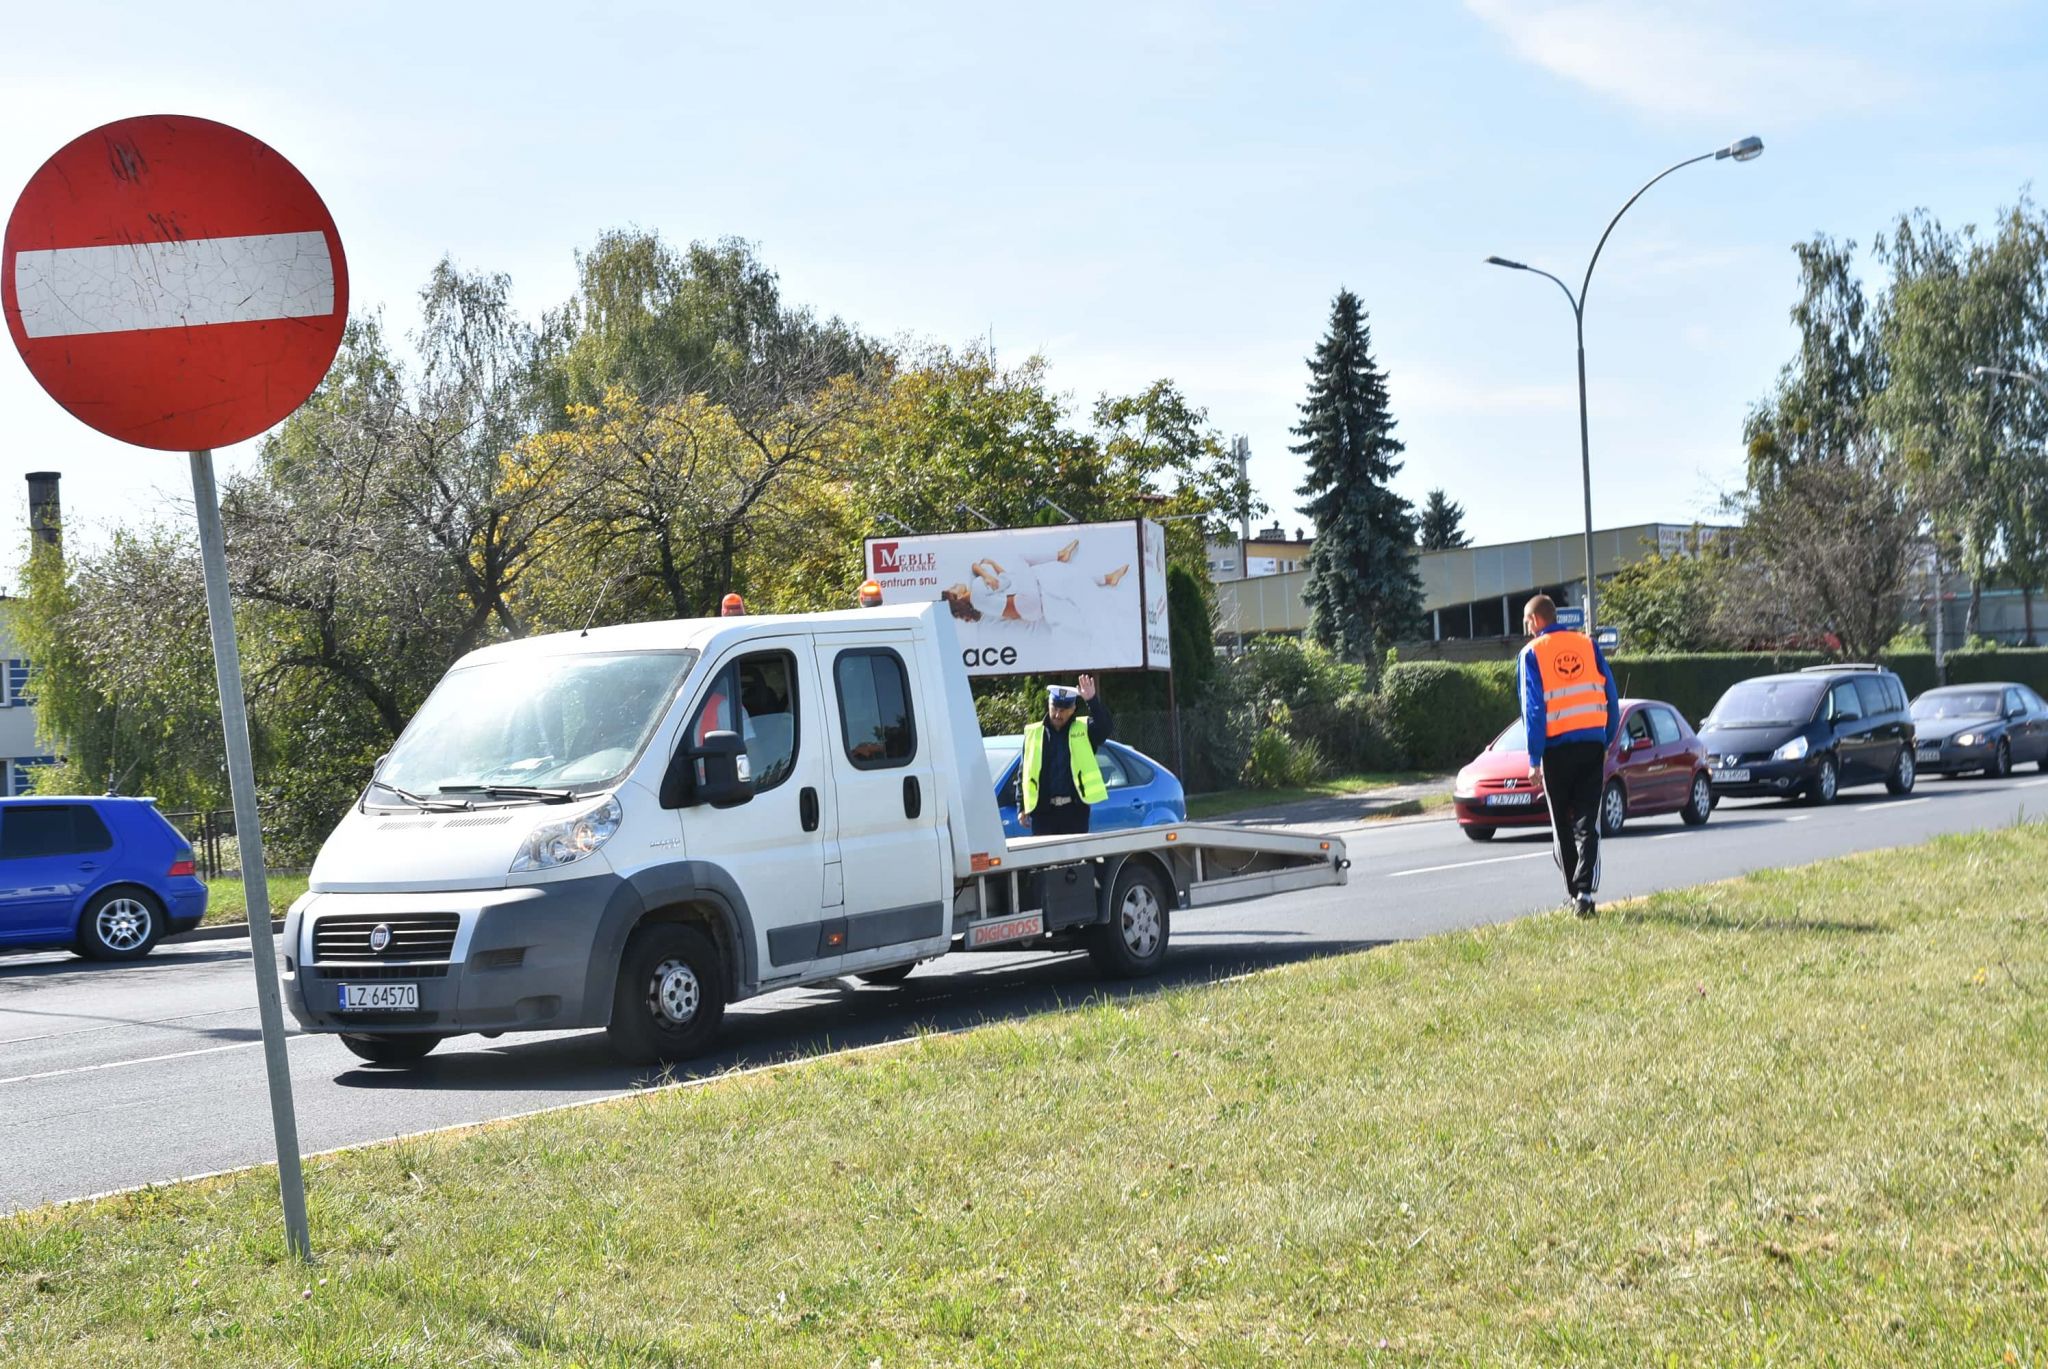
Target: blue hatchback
pixel 107 877
pixel 1142 792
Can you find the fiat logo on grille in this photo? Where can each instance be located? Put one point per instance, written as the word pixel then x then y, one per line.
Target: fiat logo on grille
pixel 380 937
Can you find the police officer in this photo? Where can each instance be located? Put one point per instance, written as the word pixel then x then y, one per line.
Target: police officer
pixel 1061 776
pixel 1571 713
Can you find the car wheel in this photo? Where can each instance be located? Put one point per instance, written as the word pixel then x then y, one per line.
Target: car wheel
pixel 1826 784
pixel 1904 772
pixel 120 924
pixel 391 1050
pixel 1478 833
pixel 670 995
pixel 2001 761
pixel 895 974
pixel 1613 809
pixel 1133 941
pixel 1700 805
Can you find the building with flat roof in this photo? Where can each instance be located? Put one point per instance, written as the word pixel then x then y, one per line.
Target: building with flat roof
pixel 1469 593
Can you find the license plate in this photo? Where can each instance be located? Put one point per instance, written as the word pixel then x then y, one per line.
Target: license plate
pixel 1930 753
pixel 378 997
pixel 1509 800
pixel 1731 777
pixel 1009 929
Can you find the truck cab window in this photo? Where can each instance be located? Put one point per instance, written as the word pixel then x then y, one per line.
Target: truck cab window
pixel 755 696
pixel 874 709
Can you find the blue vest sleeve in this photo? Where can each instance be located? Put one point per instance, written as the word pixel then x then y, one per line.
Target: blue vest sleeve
pixel 1534 717
pixel 1613 695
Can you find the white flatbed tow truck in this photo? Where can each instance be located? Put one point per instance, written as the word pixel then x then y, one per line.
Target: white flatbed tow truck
pixel 632 827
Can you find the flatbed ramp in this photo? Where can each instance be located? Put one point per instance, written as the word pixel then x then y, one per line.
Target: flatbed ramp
pixel 1039 886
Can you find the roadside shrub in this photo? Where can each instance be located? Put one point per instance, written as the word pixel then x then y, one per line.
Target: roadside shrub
pixel 1439 713
pixel 1278 761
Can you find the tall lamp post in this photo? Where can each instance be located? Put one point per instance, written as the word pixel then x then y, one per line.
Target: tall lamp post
pixel 1746 150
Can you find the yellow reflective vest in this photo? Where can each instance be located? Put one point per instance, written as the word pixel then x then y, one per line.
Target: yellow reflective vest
pixel 1087 773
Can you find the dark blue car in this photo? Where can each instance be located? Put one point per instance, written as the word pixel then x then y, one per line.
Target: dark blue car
pixel 107 877
pixel 1142 792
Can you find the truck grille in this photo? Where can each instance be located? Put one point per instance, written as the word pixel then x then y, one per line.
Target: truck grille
pixel 414 936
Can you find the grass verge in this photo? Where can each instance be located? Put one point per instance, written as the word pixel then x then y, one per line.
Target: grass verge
pixel 1224 802
pixel 1792 1119
pixel 227 902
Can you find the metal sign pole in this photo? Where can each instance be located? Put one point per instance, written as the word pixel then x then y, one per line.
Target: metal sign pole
pixel 234 721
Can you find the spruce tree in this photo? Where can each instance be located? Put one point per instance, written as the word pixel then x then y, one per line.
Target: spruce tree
pixel 1443 524
pixel 1363 592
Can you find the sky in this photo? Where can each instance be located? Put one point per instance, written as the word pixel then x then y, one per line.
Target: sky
pixel 1135 191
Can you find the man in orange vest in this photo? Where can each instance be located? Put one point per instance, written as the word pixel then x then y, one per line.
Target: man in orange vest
pixel 1571 712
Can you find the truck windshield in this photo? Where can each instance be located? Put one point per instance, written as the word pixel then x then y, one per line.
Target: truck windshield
pixel 560 722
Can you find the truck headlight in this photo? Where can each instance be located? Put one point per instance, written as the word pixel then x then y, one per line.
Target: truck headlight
pixel 570 840
pixel 1793 750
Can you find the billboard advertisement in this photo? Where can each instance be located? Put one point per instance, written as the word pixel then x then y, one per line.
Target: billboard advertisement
pixel 1039 601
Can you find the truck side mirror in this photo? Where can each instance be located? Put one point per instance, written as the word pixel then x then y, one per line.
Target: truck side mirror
pixel 713 771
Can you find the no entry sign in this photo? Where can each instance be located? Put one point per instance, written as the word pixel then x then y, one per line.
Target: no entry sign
pixel 173 282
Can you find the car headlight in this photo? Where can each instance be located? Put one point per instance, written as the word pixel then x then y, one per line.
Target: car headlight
pixel 571 839
pixel 1793 750
pixel 1969 739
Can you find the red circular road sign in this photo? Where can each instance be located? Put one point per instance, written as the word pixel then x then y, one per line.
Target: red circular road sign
pixel 173 282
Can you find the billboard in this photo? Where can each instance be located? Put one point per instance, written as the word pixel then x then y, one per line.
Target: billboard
pixel 1039 601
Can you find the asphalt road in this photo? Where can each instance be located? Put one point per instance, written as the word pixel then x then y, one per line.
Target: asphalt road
pixel 117 1075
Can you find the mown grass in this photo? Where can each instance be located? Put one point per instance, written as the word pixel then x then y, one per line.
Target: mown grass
pixel 1223 802
pixel 227 901
pixel 1793 1119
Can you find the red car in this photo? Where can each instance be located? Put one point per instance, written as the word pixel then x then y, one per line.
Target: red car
pixel 1656 765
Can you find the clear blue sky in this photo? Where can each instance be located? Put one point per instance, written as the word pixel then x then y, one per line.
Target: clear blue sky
pixel 1134 190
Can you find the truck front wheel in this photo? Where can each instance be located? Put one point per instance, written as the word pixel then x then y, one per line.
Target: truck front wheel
pixel 670 996
pixel 1133 941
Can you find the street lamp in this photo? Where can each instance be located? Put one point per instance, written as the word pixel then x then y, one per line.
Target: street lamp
pixel 1746 150
pixel 1984 372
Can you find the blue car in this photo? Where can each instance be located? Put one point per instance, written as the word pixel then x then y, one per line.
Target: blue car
pixel 107 877
pixel 1142 792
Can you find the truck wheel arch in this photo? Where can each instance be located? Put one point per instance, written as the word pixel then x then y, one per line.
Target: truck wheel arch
pixel 1153 861
pixel 691 891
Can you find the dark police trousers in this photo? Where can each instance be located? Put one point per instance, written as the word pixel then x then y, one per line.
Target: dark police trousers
pixel 1572 776
pixel 1049 819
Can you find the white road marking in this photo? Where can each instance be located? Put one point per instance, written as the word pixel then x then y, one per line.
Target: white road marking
pixel 1906 803
pixel 144 1060
pixel 71 291
pixel 1799 817
pixel 1461 865
pixel 1670 836
pixel 116 1026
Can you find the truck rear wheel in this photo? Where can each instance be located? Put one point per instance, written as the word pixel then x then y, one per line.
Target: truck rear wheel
pixel 1133 941
pixel 670 996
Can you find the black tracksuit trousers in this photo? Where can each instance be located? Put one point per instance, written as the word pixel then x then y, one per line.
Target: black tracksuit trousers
pixel 1572 778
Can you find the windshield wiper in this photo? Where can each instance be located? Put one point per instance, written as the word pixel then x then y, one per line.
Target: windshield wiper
pixel 513 791
pixel 425 805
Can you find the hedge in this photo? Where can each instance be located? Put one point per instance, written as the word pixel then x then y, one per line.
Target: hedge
pixel 1442 712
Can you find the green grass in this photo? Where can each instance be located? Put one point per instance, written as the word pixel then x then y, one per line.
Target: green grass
pixel 227 902
pixel 1793 1119
pixel 1223 802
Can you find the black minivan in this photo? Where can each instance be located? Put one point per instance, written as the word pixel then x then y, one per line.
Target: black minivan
pixel 1811 734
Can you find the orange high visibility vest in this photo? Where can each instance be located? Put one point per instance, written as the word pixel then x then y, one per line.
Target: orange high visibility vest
pixel 1574 690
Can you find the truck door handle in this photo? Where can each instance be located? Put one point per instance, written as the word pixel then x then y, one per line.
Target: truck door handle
pixel 807 808
pixel 913 797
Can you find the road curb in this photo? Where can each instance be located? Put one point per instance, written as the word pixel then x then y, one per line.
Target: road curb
pixel 227 931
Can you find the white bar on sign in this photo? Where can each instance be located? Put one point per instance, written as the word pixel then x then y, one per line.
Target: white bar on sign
pixel 76 290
